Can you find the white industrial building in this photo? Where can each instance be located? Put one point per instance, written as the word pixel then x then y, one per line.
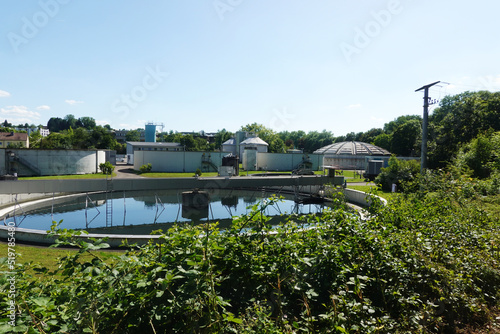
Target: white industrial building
pixel 352 155
pixel 253 143
pixel 134 146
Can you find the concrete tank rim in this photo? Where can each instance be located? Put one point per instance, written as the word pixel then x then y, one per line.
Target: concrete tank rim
pixel 112 238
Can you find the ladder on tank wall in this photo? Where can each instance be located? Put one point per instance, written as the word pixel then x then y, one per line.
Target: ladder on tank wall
pixel 109 202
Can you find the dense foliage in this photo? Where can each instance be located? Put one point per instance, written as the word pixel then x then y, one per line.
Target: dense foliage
pixel 426 262
pixel 481 157
pixel 106 168
pixel 56 124
pixel 146 168
pixel 458 120
pixel 402 173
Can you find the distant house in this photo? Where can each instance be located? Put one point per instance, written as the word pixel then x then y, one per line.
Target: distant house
pixel 44 131
pixel 121 135
pixel 14 139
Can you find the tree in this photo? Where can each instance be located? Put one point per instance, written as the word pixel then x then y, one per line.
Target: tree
pixel 399 172
pixel 87 122
pixel 56 124
pixel 481 156
pixel 370 135
pixel 406 137
pixel 102 138
pixel 276 144
pixel 458 120
pixel 188 142
pixel 221 136
pixel 393 125
pixel 133 135
pixel 80 138
pixel 35 139
pixel 384 141
pixel 71 121
pixel 57 140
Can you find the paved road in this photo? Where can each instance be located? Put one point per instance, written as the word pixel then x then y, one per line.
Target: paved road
pixel 124 171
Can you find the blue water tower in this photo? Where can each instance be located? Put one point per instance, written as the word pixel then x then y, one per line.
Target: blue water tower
pixel 150 133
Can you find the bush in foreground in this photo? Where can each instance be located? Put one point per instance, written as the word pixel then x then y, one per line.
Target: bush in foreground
pixel 427 262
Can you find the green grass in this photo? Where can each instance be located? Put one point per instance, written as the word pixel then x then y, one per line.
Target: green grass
pixel 212 174
pixel 67 177
pixel 158 175
pixel 44 256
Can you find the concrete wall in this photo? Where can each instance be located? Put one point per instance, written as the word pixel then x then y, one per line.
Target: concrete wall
pixel 57 162
pixel 177 162
pixel 360 198
pixel 3 162
pixel 286 161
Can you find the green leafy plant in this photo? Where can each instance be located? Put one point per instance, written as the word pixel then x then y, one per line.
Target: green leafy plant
pixel 427 262
pixel 106 168
pixel 403 173
pixel 146 168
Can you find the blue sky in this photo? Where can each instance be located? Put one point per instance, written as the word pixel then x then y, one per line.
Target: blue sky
pixel 343 66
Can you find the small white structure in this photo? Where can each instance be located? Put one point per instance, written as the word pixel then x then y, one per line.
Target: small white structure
pixel 253 143
pixel 229 146
pixel 133 146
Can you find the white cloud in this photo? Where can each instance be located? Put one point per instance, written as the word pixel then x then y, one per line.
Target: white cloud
pixel 44 107
pixel 352 106
pixel 4 93
pixel 73 102
pixel 19 115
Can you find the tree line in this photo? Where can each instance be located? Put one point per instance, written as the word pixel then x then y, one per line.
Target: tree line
pixel 457 120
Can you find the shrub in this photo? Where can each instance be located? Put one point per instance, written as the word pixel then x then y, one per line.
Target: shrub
pixel 403 173
pixel 106 168
pixel 425 263
pixel 146 168
pixel 480 157
pixel 197 172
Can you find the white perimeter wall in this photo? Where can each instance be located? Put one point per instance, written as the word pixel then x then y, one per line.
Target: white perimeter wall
pixel 286 161
pixel 58 162
pixel 175 162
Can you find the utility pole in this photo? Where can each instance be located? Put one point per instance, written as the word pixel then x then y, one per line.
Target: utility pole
pixel 423 156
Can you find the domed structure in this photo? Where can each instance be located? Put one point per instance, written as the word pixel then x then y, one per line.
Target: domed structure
pixel 352 148
pixel 351 154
